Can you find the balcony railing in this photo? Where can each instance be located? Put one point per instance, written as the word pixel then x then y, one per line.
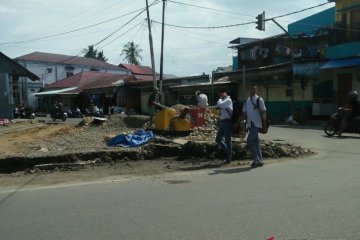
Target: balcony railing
pixel 344 33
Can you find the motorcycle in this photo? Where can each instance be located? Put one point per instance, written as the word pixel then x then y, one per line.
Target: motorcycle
pixel 94 111
pixel 21 112
pixel 74 113
pixel 58 113
pixel 332 127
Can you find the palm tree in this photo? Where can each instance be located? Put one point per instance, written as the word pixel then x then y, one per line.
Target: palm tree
pixel 91 52
pixel 131 52
pixel 101 56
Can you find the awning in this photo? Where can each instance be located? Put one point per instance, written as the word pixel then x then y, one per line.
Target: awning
pixel 54 92
pixel 341 63
pixel 306 69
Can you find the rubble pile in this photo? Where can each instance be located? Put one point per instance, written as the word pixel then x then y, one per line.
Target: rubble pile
pixel 209 150
pixel 208 129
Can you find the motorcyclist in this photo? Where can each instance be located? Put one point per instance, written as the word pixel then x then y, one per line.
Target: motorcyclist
pixel 353 112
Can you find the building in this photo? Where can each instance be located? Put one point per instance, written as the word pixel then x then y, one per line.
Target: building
pixel 343 52
pixel 286 67
pixel 51 68
pixel 82 88
pixel 10 73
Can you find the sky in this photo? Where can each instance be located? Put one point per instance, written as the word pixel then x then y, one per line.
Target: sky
pixel 27 26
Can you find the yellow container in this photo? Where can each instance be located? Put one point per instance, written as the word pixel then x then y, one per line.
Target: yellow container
pixel 163 118
pixel 181 124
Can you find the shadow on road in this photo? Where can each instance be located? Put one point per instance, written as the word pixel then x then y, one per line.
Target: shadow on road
pixel 314 127
pixel 341 137
pixel 7 197
pixel 230 170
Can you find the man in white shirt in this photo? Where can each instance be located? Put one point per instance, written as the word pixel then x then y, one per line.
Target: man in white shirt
pixel 225 105
pixel 201 100
pixel 254 112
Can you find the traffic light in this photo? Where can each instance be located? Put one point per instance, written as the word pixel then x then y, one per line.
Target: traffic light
pixel 261 21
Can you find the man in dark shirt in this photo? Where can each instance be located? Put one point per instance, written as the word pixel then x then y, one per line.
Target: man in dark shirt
pixel 352 113
pixel 153 98
pixel 354 104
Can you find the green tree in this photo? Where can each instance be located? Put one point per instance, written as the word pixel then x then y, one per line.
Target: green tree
pixel 101 56
pixel 131 53
pixel 92 52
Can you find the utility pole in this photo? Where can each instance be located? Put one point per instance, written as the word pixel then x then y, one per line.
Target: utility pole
pixel 292 87
pixel 151 45
pixel 162 50
pixel 261 26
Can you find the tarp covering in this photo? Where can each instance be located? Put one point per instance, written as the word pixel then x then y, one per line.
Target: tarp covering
pixel 341 63
pixel 136 139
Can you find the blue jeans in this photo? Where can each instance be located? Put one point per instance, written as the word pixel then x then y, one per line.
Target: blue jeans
pixel 253 143
pixel 225 131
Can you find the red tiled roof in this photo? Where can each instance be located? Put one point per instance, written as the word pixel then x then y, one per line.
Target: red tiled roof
pixel 82 79
pixel 66 59
pixel 135 69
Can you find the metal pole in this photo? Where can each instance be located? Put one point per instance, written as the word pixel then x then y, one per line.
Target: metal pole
pixel 292 67
pixel 151 45
pixel 162 49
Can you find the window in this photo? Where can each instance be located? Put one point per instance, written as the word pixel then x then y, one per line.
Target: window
pixel 288 92
pixel 69 74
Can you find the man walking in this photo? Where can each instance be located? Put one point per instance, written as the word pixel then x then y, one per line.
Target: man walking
pixel 254 112
pixel 153 98
pixel 225 105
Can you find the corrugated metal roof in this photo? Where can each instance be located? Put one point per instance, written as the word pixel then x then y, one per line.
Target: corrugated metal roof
pixel 12 67
pixel 82 78
pixel 88 81
pixel 66 59
pixel 135 69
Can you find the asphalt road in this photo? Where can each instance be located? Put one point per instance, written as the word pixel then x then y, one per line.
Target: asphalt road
pixel 317 197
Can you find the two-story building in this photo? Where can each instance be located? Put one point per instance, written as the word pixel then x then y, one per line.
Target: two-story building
pixel 343 52
pixel 286 67
pixel 51 68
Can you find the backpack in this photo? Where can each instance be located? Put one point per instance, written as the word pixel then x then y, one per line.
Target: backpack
pixel 265 128
pixel 235 115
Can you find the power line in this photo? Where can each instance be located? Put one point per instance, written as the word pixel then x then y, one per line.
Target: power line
pixel 213 27
pixel 118 29
pixel 213 9
pixel 71 31
pixel 299 11
pixel 240 24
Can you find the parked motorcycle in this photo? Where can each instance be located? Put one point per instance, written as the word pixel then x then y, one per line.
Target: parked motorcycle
pixel 23 112
pixel 332 127
pixel 58 113
pixel 94 111
pixel 74 113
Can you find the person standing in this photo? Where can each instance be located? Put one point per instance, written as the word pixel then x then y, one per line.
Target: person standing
pixel 225 105
pixel 153 98
pixel 201 99
pixel 255 114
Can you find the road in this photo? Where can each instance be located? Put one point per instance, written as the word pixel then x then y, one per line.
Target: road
pixel 310 198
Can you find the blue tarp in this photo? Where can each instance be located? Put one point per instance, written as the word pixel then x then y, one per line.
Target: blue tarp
pixel 136 139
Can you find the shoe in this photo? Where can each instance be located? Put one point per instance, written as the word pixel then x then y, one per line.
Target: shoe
pixel 256 164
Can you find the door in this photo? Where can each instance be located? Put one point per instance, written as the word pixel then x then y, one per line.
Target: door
pixel 344 82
